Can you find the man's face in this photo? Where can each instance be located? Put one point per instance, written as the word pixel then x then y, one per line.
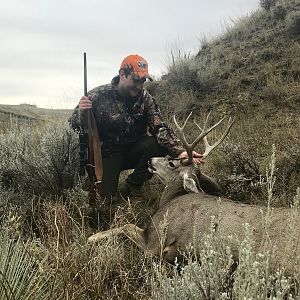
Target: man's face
pixel 130 87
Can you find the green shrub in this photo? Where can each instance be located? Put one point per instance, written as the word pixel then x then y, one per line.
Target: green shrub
pixel 267 4
pixel 40 161
pixel 13 144
pixel 239 173
pixel 279 12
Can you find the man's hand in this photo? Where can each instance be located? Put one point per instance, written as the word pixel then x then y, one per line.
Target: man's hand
pixel 85 103
pixel 196 157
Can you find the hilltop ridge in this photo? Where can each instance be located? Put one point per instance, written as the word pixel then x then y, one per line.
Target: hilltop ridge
pixel 256 61
pixel 30 113
pixel 251 72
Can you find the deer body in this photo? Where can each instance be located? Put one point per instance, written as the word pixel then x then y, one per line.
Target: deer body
pixel 187 205
pixel 189 214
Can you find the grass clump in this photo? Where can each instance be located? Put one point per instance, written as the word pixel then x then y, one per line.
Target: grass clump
pixel 22 276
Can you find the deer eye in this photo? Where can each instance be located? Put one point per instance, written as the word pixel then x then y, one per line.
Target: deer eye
pixel 171 164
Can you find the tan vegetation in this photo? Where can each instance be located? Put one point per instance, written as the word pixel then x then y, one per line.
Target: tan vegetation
pixel 251 72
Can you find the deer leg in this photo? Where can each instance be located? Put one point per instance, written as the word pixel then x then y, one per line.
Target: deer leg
pixel 132 231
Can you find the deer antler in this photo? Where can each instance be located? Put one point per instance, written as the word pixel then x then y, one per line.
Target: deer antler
pixel 208 147
pixel 182 138
pixel 202 136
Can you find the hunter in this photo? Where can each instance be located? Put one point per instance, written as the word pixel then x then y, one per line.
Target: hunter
pixel 124 111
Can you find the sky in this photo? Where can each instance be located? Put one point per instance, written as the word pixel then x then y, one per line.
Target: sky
pixel 43 41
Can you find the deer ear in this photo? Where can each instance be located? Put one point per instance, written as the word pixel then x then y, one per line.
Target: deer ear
pixel 189 184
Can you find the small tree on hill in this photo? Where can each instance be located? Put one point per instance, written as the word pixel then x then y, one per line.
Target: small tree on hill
pixel 267 4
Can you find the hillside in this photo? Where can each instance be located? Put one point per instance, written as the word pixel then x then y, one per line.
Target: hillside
pixel 256 61
pixel 251 72
pixel 25 113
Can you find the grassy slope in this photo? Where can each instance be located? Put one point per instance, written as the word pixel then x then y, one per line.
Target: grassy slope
pixel 18 115
pixel 251 72
pixel 255 62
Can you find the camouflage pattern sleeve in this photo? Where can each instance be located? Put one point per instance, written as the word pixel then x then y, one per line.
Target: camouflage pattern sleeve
pixel 75 119
pixel 165 136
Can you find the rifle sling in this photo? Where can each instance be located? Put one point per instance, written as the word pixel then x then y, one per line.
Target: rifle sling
pixel 95 154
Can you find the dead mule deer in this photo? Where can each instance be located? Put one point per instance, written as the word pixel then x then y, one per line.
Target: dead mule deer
pixel 189 200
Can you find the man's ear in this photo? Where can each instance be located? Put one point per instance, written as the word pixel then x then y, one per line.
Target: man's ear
pixel 121 73
pixel 190 183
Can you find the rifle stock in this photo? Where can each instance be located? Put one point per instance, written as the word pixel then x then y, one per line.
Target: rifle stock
pixel 90 146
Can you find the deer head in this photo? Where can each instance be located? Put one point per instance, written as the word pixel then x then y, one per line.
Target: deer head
pixel 173 169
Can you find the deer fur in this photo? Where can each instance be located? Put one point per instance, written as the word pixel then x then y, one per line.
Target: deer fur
pixel 189 200
pixel 188 204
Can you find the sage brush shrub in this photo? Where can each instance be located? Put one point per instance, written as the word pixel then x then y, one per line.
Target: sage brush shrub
pixel 214 276
pixel 207 274
pixel 14 208
pixel 239 172
pixel 35 165
pixel 13 144
pixel 40 161
pixel 53 165
pixel 255 278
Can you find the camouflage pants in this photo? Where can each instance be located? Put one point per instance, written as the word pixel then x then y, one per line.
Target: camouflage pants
pixel 134 156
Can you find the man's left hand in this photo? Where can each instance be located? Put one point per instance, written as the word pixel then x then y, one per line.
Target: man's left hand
pixel 196 157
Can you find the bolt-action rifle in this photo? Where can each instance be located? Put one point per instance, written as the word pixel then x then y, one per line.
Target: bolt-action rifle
pixel 90 146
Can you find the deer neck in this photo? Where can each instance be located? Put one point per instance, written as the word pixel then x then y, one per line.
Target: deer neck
pixel 174 188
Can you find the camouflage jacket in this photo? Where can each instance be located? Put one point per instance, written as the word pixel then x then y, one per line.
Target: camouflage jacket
pixel 124 120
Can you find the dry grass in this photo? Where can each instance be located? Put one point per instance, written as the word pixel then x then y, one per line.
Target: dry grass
pixel 251 73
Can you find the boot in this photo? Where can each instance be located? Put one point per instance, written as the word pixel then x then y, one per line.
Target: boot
pixel 131 190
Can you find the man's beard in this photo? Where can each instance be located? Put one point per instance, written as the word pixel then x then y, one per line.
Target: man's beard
pixel 132 92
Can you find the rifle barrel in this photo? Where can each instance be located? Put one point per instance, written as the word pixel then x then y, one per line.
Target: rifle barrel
pixel 85 74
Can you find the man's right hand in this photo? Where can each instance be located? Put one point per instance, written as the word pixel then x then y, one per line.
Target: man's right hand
pixel 85 103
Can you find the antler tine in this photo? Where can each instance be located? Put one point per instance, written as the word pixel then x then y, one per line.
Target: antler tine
pixel 188 147
pixel 205 130
pixel 185 122
pixel 209 148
